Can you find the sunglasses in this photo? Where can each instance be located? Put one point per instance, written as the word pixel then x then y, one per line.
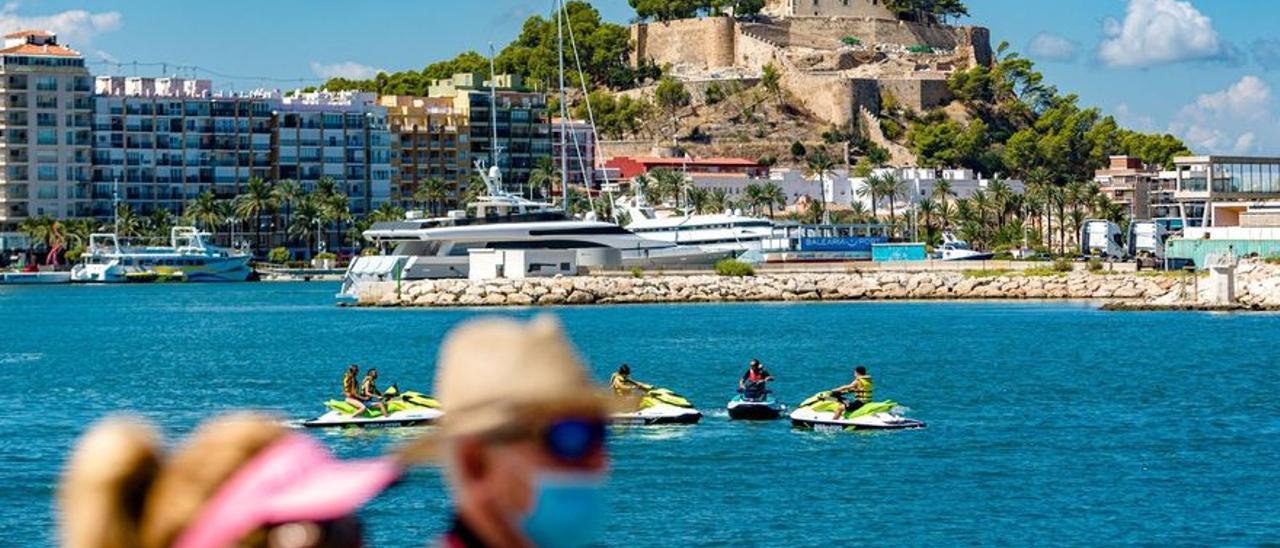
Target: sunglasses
pixel 571 441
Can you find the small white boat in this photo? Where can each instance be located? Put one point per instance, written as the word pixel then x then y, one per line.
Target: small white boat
pixel 955 249
pixel 34 278
pixel 187 258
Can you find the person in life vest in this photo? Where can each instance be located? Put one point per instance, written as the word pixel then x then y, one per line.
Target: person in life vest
pixel 753 382
pixel 861 388
pixel 369 391
pixel 623 385
pixel 350 392
pixel 526 462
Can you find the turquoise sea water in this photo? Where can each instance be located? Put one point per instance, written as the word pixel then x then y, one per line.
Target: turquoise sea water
pixel 1048 423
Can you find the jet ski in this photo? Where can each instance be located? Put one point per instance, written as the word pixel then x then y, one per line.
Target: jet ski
pixel 660 406
pixel 755 403
pixel 816 413
pixel 404 409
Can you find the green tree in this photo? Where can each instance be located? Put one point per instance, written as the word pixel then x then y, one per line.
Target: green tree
pixel 431 193
pixel 257 201
pixel 287 193
pixel 672 96
pixel 203 211
pixel 771 79
pixel 306 222
pixel 818 166
pixel 668 10
pixel 545 173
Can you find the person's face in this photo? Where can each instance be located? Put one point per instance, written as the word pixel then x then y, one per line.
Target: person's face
pixel 566 444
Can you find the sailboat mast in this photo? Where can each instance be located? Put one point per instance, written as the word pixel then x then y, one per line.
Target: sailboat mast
pixel 493 107
pixel 564 113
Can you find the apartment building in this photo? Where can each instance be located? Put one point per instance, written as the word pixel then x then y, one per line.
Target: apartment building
pixel 429 140
pixel 523 127
pixel 341 136
pixel 44 144
pixel 579 149
pixel 160 142
pixel 1227 191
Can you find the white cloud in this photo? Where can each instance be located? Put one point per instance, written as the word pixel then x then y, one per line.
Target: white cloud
pixel 1236 120
pixel 1047 46
pixel 1156 32
pixel 1133 120
pixel 349 69
pixel 1266 52
pixel 73 27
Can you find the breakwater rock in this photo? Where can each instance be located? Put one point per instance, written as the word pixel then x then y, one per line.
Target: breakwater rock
pixel 880 285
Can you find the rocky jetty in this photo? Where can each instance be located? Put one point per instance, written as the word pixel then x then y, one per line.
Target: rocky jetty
pixel 1258 288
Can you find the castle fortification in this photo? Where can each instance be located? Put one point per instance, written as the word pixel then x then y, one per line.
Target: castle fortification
pixel 836 56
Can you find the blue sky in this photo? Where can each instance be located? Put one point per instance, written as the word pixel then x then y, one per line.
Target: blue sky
pixel 1205 70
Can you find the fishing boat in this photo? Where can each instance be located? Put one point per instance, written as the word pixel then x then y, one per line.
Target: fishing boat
pixel 187 258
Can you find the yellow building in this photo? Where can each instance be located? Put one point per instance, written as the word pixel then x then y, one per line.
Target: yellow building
pixel 430 140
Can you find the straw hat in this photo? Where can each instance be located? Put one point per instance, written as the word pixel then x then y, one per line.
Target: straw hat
pixel 495 373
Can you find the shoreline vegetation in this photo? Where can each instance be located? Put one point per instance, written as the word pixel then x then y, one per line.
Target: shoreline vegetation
pixel 1257 287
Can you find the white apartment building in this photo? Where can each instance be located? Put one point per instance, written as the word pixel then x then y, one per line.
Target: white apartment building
pixel 342 136
pixel 44 144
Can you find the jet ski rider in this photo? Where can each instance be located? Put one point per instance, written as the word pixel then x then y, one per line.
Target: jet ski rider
pixel 752 383
pixel 369 391
pixel 861 388
pixel 623 385
pixel 349 391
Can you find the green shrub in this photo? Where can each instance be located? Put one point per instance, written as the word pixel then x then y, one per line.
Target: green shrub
pixel 851 41
pixel 637 272
pixel 798 150
pixel 1063 265
pixel 1095 265
pixel 278 255
pixel 891 128
pixel 734 268
pixel 714 93
pixel 1040 272
pixel 326 256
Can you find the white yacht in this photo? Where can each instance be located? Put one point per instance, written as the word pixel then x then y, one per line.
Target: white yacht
pixel 435 248
pixel 721 232
pixel 187 257
pixel 955 249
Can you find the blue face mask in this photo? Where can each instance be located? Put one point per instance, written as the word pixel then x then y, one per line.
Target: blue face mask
pixel 568 511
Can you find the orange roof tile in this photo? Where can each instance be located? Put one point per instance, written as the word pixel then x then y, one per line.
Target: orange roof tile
pixel 32 49
pixel 29 32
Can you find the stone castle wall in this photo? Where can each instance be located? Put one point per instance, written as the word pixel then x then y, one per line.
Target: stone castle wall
pixel 918 94
pixel 827 8
pixel 706 43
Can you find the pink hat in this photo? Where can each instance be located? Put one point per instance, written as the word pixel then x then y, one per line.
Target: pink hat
pixel 294 479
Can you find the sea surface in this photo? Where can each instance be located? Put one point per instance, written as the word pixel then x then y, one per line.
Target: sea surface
pixel 1049 423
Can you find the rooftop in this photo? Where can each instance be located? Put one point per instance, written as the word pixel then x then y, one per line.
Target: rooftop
pixel 30 32
pixel 53 50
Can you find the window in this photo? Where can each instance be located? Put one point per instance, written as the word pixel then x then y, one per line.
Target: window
pixel 47 192
pixel 47 173
pixel 47 83
pixel 46 137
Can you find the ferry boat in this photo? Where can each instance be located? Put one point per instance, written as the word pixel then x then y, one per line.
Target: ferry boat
pixel 187 258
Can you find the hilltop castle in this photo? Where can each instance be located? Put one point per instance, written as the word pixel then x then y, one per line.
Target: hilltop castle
pixel 837 57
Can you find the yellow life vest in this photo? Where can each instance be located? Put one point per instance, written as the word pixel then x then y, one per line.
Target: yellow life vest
pixel 862 388
pixel 348 385
pixel 619 385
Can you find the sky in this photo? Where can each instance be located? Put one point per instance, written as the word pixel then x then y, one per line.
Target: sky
pixel 1204 70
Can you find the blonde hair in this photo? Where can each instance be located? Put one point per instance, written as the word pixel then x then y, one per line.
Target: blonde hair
pixel 119 490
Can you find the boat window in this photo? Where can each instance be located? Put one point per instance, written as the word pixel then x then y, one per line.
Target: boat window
pixel 586 231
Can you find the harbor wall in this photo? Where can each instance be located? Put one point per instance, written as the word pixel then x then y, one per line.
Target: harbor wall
pixel 1259 285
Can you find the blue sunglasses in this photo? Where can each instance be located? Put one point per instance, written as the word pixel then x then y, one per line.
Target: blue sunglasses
pixel 573 440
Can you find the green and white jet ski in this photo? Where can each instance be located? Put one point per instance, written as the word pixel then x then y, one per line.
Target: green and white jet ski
pixel 817 413
pixel 660 406
pixel 405 409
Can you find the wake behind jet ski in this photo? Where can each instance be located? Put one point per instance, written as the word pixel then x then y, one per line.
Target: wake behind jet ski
pixel 404 409
pixel 754 400
pixel 653 406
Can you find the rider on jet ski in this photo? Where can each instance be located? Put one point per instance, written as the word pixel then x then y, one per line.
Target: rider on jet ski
pixel 623 385
pixel 349 391
pixel 861 388
pixel 752 385
pixel 369 392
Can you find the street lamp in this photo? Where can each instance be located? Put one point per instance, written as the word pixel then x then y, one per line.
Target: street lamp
pixel 319 244
pixel 231 221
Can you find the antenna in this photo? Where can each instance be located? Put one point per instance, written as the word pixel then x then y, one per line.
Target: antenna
pixel 493 107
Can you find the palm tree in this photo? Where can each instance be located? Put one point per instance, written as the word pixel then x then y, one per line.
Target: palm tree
pixel 385 213
pixel 287 193
pixel 871 190
pixel 159 223
pixel 225 214
pixel 431 192
pixel 670 184
pixel 545 172
pixel 1056 197
pixel 699 200
pixel 336 209
pixel 306 220
pixel 857 212
pixel 888 185
pixel 818 165
pixel 258 200
pixel 981 205
pixel 326 187
pixel 753 196
pixel 476 189
pixel 128 224
pixel 1001 195
pixel 927 208
pixel 203 211
pixel 38 229
pixel 774 195
pixel 719 201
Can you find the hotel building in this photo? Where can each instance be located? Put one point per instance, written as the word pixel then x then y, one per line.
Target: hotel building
pixel 45 139
pixel 523 128
pixel 429 140
pixel 160 142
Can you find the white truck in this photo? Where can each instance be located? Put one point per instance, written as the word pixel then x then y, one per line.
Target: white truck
pixel 1101 238
pixel 1146 242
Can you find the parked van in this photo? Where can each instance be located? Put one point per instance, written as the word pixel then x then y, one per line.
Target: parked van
pixel 1101 238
